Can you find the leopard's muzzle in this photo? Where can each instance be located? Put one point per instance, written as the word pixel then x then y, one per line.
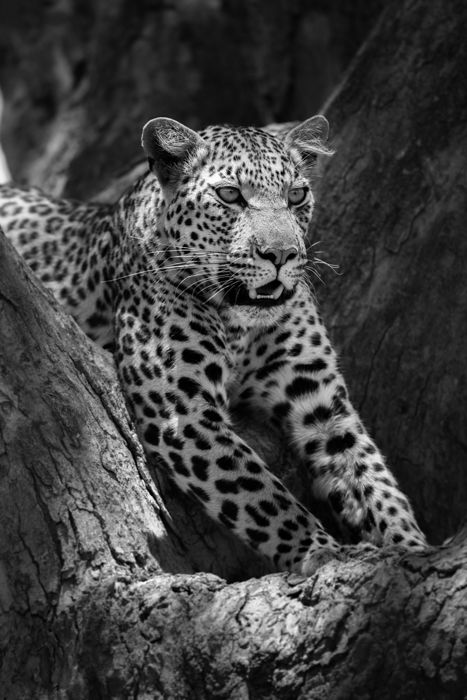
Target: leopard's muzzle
pixel 271 294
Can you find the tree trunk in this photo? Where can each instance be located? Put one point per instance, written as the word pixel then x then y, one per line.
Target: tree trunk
pixel 99 595
pixel 392 213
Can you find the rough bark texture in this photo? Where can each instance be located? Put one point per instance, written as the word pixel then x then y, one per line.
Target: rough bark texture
pixel 98 592
pixel 393 206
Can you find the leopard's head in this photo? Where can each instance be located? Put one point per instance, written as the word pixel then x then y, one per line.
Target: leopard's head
pixel 237 203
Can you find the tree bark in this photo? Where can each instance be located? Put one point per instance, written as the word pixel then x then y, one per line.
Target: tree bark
pixel 392 211
pixel 99 591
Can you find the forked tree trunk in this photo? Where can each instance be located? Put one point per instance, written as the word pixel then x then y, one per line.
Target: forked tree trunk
pixel 98 592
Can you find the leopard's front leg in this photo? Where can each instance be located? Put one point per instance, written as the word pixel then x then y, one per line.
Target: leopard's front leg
pixel 172 364
pixel 293 371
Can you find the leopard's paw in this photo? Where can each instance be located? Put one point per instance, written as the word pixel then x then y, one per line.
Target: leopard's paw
pixel 316 557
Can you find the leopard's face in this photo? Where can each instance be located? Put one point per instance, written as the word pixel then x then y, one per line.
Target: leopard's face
pixel 235 223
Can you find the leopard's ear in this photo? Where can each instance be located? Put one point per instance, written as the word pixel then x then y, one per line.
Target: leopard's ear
pixel 307 141
pixel 172 148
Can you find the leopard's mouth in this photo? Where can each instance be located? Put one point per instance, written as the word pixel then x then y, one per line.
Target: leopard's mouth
pixel 270 294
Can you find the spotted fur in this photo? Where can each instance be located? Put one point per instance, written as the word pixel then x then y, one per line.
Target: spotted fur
pixel 196 280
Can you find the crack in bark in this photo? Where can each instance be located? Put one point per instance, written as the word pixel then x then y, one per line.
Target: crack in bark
pixel 374 354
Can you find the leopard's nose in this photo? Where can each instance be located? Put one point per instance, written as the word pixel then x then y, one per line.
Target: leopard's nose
pixel 278 256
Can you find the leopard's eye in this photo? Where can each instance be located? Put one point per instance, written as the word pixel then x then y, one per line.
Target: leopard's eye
pixel 297 195
pixel 230 195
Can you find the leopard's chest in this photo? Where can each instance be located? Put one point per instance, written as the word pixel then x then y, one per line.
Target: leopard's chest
pixel 238 354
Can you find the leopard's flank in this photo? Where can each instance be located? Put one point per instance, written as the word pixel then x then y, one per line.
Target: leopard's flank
pixel 196 279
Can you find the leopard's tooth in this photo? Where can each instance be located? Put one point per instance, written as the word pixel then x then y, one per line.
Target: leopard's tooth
pixel 277 292
pixel 252 293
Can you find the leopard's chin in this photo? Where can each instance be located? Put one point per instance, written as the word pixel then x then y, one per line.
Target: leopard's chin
pixel 267 296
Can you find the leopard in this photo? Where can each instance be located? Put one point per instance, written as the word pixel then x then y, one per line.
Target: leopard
pixel 197 279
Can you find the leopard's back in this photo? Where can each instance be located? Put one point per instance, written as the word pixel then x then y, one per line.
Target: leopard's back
pixel 66 244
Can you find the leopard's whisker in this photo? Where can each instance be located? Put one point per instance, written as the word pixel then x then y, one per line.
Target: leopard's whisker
pixel 142 272
pixel 315 272
pixel 311 245
pixel 130 274
pixel 191 285
pixel 308 286
pixel 222 290
pixel 211 284
pixel 332 266
pixel 188 264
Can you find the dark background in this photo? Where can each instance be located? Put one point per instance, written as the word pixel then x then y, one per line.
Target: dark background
pixel 99 68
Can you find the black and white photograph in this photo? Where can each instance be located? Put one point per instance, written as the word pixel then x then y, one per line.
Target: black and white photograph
pixel 233 350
